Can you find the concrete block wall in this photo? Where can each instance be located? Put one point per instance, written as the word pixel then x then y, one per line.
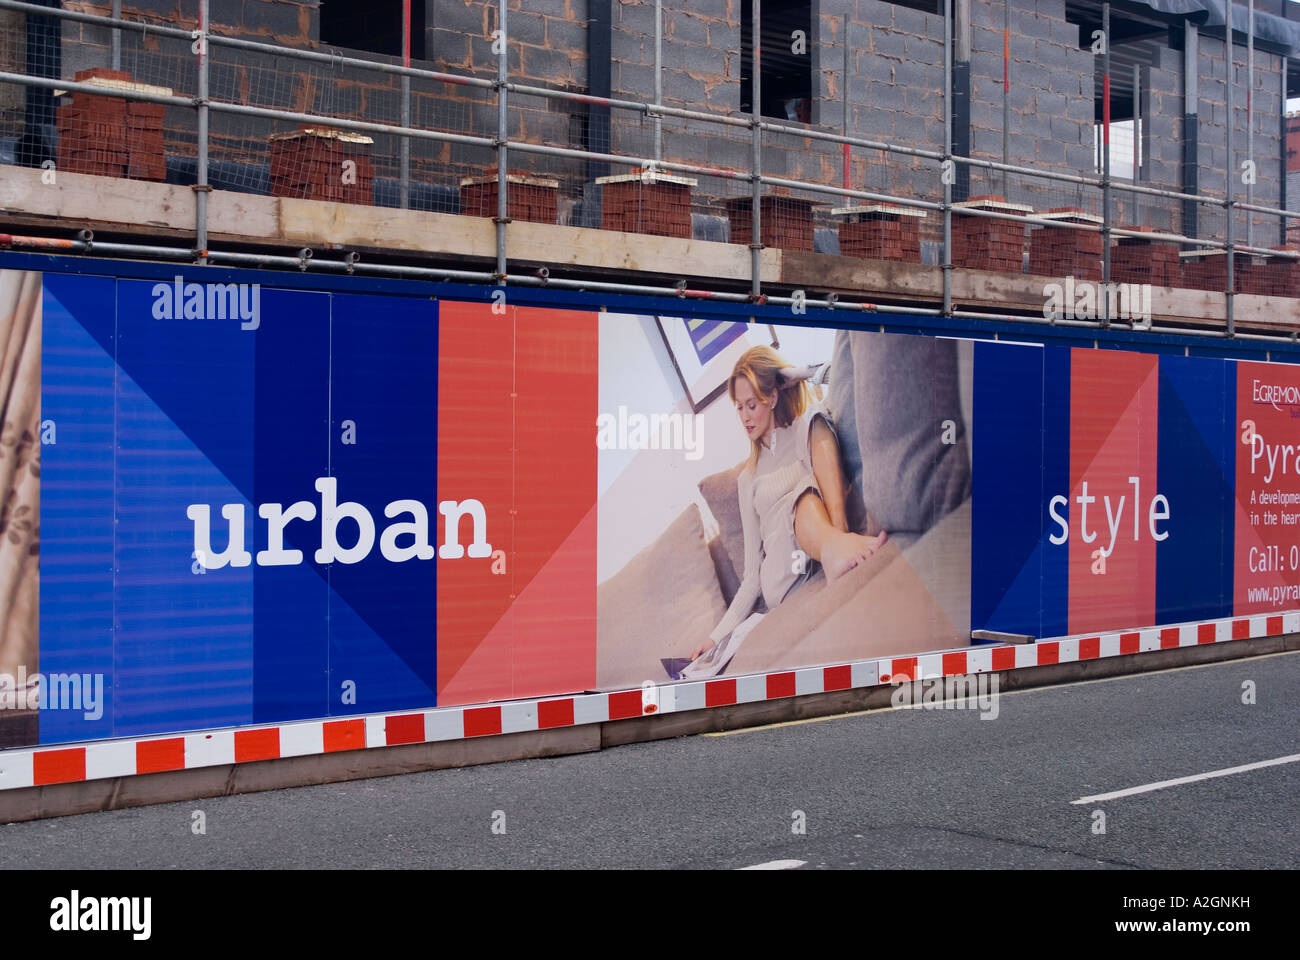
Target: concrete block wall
pixel 1214 163
pixel 701 71
pixel 894 87
pixel 546 46
pixel 895 92
pixel 1051 88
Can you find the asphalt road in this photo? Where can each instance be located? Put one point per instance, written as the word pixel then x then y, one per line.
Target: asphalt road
pixel 889 788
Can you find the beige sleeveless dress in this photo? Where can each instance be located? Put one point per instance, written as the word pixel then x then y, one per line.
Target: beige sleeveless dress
pixel 774 564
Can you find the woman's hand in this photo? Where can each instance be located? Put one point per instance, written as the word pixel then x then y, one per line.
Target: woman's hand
pixel 701 650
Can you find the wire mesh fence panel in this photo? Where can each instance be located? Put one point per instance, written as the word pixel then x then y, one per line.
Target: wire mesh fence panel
pixel 320 160
pixel 1146 260
pixel 642 197
pixel 889 229
pixel 437 167
pixel 796 219
pixel 648 199
pixel 13 59
pixel 557 186
pixel 104 132
pixel 1205 267
pixel 716 211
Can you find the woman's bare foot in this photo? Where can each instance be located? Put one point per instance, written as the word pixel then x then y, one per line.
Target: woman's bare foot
pixel 843 551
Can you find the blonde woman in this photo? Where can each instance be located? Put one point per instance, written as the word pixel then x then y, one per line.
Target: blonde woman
pixel 791 500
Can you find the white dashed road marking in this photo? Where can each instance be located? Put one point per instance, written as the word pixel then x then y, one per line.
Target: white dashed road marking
pixel 1161 785
pixel 777 865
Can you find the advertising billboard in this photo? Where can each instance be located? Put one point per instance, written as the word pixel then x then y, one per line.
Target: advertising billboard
pixel 235 503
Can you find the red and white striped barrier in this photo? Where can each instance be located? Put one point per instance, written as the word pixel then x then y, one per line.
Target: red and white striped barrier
pixel 41 766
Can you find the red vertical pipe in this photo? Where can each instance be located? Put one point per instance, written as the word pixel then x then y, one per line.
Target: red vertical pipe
pixel 406 33
pixel 1006 58
pixel 1105 112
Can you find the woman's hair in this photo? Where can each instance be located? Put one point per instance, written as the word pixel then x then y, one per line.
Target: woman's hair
pixel 762 366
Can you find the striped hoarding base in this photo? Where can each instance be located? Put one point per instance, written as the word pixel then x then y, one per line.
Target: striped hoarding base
pixel 43 766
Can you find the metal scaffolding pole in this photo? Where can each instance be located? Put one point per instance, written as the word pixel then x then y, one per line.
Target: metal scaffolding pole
pixel 115 58
pixel 659 78
pixel 1231 174
pixel 1137 129
pixel 947 168
pixel 201 186
pixel 404 160
pixel 1250 121
pixel 503 135
pixel 1006 97
pixel 1105 168
pixel 1287 200
pixel 844 122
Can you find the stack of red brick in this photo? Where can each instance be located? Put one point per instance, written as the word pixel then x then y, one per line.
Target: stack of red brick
pixel 1066 251
pixel 1138 260
pixel 650 203
pixel 787 222
pixel 983 243
pixel 109 136
pixel 145 159
pixel 319 163
pixel 1281 275
pixel 536 199
pixel 1208 270
pixel 880 232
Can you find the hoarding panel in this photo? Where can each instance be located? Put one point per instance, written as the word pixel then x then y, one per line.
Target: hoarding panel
pixel 383 443
pixel 420 517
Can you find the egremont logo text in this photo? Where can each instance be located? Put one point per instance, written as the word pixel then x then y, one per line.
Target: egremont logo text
pixel 1085 300
pixel 179 300
pixel 1274 393
pixel 404 539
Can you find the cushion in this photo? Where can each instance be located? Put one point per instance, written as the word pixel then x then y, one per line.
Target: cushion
pixel 721 491
pixel 664 602
pixel 889 395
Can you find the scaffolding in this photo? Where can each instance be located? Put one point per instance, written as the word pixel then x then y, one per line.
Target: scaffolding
pixel 758 202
